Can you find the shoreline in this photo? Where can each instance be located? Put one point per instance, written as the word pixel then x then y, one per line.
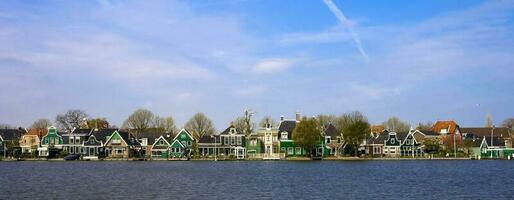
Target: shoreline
pixel 223 160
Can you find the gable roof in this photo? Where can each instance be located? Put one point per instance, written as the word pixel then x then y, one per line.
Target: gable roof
pixel 183 130
pixel 11 134
pixel 102 134
pixel 40 132
pixel 450 125
pixel 429 132
pixel 227 131
pixel 176 141
pixel 159 139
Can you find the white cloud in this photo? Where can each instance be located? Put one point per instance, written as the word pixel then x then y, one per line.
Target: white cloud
pixel 273 65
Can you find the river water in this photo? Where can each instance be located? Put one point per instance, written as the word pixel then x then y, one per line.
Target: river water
pixel 446 179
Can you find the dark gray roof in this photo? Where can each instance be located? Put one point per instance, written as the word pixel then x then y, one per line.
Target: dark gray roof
pixel 153 133
pixel 227 130
pixel 82 131
pixel 102 134
pixel 11 134
pixel 287 126
pixel 331 131
pixel 484 131
pixel 129 138
pixel 206 139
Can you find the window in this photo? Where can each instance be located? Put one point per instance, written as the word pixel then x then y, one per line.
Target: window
pixel 226 140
pixel 188 143
pixel 116 141
pixel 283 136
pixel 282 149
pixel 298 150
pixel 443 131
pixel 392 141
pixel 327 139
pixel 239 140
pixel 232 140
pixel 338 139
pixel 253 142
pixel 290 151
pixel 161 142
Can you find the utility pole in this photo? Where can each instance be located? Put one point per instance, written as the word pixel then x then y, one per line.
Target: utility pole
pixel 492 134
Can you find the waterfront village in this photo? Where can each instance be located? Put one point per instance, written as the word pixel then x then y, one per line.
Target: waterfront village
pixel 444 140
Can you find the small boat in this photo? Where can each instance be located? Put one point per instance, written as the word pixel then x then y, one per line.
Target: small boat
pixel 72 157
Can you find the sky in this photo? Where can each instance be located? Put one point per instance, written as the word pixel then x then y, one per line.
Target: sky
pixel 417 60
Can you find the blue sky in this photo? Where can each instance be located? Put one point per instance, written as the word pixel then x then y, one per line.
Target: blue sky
pixel 418 60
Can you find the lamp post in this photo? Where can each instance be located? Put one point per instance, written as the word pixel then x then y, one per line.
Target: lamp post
pixel 492 131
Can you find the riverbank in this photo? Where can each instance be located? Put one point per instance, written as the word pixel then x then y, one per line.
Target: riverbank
pixel 285 159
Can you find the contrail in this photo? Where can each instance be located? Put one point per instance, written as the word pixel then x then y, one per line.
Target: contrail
pixel 340 16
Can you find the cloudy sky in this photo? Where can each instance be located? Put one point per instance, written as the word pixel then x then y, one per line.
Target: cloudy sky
pixel 418 60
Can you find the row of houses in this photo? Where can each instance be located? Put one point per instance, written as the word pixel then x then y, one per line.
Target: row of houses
pixel 268 142
pixel 478 142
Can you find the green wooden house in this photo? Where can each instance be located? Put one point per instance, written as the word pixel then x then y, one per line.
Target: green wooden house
pixel 160 148
pixel 51 143
pixel 182 145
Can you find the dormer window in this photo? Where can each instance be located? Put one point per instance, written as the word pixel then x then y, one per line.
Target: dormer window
pixel 268 125
pixel 444 131
pixel 283 136
pixel 232 131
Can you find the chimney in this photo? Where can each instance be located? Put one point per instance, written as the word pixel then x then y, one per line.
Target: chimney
pixel 298 116
pixel 281 117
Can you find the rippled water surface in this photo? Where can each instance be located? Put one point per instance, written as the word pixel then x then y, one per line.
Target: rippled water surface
pixel 258 180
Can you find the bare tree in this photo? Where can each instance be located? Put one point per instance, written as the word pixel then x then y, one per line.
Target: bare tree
pixel 71 119
pixel 41 124
pixel 397 125
pixel 267 120
pixel 6 126
pixel 489 120
pixel 165 123
pixel 509 123
pixel 425 126
pixel 139 121
pixel 200 125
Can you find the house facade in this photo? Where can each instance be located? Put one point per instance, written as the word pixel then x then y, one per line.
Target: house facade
pixel 392 145
pixel 233 143
pixel 30 141
pixel 51 143
pixel 269 137
pixel 333 140
pixel 412 144
pixel 182 145
pixel 160 148
pixel 9 142
pixel 73 142
pixel 122 145
pixel 285 134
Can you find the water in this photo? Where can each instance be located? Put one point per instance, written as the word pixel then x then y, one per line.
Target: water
pixel 258 180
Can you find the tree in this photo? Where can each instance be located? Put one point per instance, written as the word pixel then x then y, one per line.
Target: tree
pixel 248 124
pixel 71 119
pixel 306 134
pixel 139 121
pixel 489 120
pixel 6 126
pixel 355 129
pixel 267 120
pixel 509 123
pixel 396 125
pixel 467 145
pixel 431 146
pixel 98 123
pixel 200 125
pixel 167 124
pixel 425 126
pixel 41 124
